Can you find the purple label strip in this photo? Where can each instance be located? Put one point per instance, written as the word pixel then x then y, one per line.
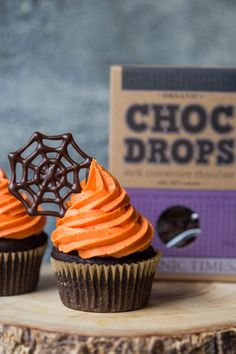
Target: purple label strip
pixel 217 216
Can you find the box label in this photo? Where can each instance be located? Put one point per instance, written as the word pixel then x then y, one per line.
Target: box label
pixel 173 128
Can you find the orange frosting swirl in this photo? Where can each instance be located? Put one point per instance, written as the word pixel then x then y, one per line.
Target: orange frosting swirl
pixel 100 221
pixel 14 221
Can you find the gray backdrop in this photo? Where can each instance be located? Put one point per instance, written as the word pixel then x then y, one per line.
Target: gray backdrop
pixel 55 58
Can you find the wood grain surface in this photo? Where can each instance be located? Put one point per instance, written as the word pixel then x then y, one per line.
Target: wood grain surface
pixel 182 317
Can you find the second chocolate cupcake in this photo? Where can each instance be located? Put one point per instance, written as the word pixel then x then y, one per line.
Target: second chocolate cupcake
pixel 22 244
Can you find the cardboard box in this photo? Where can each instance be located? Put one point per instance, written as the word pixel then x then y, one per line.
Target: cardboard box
pixel 172 146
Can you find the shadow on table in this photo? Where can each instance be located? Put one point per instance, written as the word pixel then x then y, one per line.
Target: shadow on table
pixel 172 292
pixel 47 282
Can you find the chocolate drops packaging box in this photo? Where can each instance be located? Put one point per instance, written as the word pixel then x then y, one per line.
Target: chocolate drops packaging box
pixel 172 146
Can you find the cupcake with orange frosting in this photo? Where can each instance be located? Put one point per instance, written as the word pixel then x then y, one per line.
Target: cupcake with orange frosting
pixel 102 255
pixel 22 244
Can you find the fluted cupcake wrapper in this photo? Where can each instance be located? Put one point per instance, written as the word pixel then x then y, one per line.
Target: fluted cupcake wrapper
pixel 105 288
pixel 19 271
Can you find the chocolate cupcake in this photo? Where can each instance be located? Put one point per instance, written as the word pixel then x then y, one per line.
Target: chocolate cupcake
pixel 102 255
pixel 22 244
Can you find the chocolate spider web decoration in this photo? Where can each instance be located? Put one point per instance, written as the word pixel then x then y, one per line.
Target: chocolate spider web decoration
pixel 50 175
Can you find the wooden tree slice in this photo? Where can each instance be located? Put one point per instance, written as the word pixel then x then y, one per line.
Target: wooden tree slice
pixel 182 317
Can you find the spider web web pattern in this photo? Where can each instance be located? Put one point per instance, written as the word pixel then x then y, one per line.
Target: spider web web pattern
pixel 49 175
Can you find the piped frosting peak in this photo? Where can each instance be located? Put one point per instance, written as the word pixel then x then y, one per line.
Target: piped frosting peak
pixel 14 221
pixel 100 220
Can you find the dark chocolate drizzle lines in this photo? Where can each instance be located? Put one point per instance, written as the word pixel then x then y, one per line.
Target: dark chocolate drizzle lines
pixel 45 172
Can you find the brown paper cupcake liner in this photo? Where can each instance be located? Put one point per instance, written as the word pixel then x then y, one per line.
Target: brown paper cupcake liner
pixel 105 288
pixel 19 271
